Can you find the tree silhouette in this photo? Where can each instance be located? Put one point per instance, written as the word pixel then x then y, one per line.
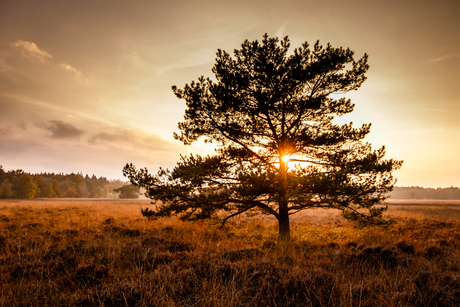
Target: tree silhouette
pixel 279 151
pixel 128 191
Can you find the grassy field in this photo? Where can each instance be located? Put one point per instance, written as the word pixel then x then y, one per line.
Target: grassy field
pixel 104 253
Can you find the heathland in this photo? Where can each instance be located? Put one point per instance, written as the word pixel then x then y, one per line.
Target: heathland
pixel 71 252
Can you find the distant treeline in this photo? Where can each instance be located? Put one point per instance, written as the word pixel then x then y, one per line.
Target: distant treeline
pixel 19 184
pixel 451 193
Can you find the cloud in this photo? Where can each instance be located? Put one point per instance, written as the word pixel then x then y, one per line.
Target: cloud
pixel 135 60
pixel 22 124
pixel 111 137
pixel 195 58
pixel 31 50
pixel 445 57
pixel 140 140
pixel 61 130
pixel 280 31
pixel 75 72
pixel 6 131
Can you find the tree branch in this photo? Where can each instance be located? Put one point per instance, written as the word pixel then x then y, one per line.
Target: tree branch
pixel 235 214
pixel 225 134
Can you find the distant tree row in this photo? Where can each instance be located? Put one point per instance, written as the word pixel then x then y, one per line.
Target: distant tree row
pixel 451 193
pixel 19 184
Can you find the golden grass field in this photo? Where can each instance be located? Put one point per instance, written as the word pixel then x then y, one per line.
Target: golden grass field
pixel 71 252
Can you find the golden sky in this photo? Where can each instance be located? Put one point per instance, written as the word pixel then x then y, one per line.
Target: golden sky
pixel 85 86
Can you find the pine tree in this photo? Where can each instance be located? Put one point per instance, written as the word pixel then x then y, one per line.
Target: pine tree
pixel 128 191
pixel 279 152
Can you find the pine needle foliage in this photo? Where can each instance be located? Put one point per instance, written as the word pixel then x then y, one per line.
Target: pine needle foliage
pixel 278 149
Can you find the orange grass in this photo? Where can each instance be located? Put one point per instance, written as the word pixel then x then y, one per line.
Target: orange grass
pixel 104 253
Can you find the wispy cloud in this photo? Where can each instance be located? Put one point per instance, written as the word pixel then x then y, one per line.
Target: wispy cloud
pixel 135 60
pixel 31 50
pixel 445 57
pixel 280 31
pixel 140 140
pixel 5 131
pixel 197 58
pixel 22 124
pixel 77 74
pixel 61 130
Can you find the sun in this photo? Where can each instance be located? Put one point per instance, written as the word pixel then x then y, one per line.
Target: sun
pixel 294 160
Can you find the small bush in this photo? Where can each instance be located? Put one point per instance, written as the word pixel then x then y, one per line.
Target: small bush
pixel 377 255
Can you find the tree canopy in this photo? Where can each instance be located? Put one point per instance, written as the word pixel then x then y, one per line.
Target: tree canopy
pixel 278 149
pixel 128 191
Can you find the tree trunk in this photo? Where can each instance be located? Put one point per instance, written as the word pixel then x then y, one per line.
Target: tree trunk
pixel 284 230
pixel 283 220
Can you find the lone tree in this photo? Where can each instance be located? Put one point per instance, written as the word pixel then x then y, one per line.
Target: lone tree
pixel 128 191
pixel 279 151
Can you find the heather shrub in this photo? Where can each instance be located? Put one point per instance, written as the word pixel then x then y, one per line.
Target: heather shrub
pixel 106 255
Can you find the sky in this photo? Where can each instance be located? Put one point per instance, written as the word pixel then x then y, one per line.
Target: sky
pixel 85 86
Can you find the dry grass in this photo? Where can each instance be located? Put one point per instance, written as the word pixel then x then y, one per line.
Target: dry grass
pixel 104 253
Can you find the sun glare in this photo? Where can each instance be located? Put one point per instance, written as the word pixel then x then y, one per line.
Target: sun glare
pixel 294 160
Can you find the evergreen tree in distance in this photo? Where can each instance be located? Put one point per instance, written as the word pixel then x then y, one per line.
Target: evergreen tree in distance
pixel 278 150
pixel 128 191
